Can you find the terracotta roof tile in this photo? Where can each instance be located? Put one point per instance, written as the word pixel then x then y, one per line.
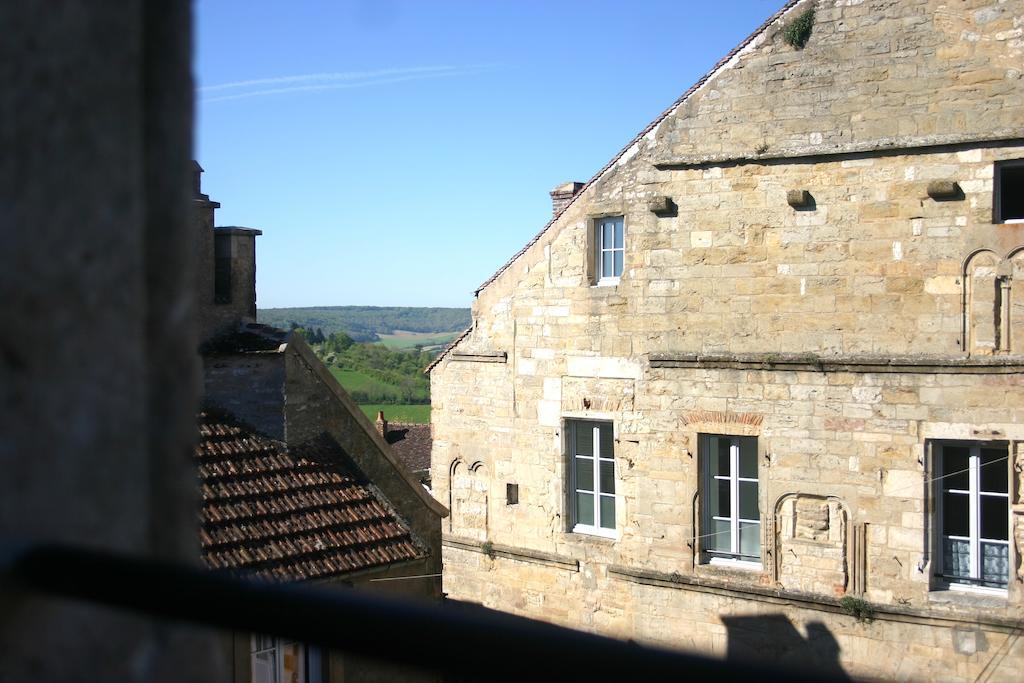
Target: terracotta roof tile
pixel 290 514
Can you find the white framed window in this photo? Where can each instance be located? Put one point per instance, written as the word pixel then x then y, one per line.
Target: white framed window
pixel 1008 191
pixel 610 249
pixel 731 529
pixel 972 490
pixel 592 476
pixel 276 660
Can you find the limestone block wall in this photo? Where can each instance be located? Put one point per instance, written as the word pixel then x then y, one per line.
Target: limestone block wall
pixel 874 73
pixel 250 386
pixel 852 333
pixel 876 267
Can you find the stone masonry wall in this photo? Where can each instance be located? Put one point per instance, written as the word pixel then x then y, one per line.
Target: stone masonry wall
pixel 849 335
pixel 875 73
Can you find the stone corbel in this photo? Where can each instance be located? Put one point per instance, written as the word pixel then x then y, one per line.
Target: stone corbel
pixel 662 206
pixel 801 200
pixel 945 191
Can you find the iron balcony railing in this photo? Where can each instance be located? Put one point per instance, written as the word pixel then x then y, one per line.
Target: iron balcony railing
pixel 464 642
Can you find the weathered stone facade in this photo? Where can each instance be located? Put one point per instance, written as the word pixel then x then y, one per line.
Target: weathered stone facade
pixel 811 259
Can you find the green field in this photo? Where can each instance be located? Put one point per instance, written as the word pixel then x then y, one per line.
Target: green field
pixel 402 340
pixel 353 380
pixel 412 413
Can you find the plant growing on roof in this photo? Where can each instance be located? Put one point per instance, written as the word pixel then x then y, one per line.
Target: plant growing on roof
pixel 797 32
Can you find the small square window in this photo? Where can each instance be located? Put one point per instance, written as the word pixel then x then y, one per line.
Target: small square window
pixel 592 476
pixel 511 494
pixel 609 249
pixel 730 507
pixel 1008 192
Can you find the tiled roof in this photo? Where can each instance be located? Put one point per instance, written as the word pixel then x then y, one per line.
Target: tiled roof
pixel 661 117
pixel 248 338
pixel 411 443
pixel 290 514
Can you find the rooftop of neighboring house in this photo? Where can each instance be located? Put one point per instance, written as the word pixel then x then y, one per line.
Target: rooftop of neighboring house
pixel 410 442
pixel 291 513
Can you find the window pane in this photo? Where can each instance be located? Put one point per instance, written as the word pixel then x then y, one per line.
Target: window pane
pixel 720 461
pixel 956 558
pixel 748 457
pixel 618 234
pixel 956 514
pixel 607 436
pixel 607 476
pixel 724 501
pixel 750 540
pixel 585 508
pixel 748 500
pixel 607 512
pixel 608 239
pixel 293 664
pixel 995 563
pixel 606 267
pixel 584 474
pixel 719 537
pixel 993 470
pixel 584 438
pixel 264 667
pixel 617 267
pixel 954 468
pixel 994 513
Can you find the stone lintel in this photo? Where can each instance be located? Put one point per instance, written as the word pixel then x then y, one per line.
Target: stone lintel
pixel 486 357
pixel 821 603
pixel 984 365
pixel 512 553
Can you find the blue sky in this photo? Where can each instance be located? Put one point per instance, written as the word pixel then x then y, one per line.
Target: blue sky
pixel 397 153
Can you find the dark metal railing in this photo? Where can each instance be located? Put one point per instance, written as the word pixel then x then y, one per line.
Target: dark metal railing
pixel 455 639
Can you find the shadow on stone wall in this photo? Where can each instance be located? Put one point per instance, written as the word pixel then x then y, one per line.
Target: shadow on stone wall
pixel 773 638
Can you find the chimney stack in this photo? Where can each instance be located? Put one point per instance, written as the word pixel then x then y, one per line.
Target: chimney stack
pixel 382 424
pixel 563 194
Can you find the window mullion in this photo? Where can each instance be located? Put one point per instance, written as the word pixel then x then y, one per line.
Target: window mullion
pixel 734 495
pixel 597 476
pixel 974 476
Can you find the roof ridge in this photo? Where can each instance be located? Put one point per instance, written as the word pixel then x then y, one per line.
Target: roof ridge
pixel 636 139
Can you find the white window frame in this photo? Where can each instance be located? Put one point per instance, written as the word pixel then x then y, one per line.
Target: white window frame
pixel 312 669
pixel 974 493
pixel 732 558
pixel 592 529
pixel 600 249
pixel 997 190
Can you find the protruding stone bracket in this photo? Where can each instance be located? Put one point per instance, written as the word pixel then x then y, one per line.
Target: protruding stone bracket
pixel 489 357
pixel 801 200
pixel 945 191
pixel 663 207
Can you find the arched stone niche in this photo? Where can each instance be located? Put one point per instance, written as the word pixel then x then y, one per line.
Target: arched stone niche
pixel 993 314
pixel 811 551
pixel 467 499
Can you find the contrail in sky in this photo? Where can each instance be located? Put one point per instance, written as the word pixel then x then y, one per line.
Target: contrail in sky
pixel 329 81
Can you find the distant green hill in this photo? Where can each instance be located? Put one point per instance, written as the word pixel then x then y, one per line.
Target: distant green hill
pixel 368 323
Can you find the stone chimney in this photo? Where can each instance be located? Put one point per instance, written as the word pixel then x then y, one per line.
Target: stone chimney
pixel 563 194
pixel 382 424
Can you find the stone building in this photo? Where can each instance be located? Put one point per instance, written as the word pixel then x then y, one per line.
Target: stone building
pixel 756 388
pixel 296 483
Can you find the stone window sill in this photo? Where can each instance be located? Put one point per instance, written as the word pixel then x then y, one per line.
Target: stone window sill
pixel 967 596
